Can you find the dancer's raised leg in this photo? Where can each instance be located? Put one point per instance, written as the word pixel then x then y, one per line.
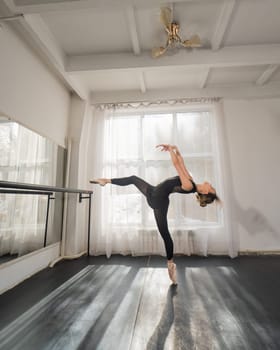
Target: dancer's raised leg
pixel 141 185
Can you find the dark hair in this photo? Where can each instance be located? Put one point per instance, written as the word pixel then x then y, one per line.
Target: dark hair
pixel 205 199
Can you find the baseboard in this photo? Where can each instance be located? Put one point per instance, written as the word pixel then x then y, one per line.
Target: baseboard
pixel 258 253
pixel 16 271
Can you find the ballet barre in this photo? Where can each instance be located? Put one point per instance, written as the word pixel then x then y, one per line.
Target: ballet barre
pixel 7 187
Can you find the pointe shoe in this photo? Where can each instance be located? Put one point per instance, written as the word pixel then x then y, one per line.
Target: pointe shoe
pixel 101 182
pixel 172 272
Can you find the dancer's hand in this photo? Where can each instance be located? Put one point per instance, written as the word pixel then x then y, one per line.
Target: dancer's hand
pixel 164 147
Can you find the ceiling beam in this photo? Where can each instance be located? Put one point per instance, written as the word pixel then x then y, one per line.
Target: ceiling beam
pixel 222 23
pixel 142 82
pixel 35 31
pixel 130 15
pixel 204 77
pixel 267 74
pixel 200 58
pixel 238 91
pixel 41 34
pixel 40 6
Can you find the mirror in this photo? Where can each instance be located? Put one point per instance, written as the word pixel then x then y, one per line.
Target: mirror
pixel 28 157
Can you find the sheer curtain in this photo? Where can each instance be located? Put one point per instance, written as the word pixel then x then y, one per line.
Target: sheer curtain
pixel 29 158
pixel 124 142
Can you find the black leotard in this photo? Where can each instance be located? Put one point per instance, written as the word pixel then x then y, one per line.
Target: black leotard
pixel 157 196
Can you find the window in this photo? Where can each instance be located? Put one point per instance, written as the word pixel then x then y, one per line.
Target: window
pixel 130 142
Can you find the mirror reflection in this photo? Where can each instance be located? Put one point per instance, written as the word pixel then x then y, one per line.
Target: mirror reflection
pixel 28 157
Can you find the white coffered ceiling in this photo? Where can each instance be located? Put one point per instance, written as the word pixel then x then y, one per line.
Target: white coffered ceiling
pixel 102 48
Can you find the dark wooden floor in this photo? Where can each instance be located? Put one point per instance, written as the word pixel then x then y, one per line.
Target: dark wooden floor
pixel 128 303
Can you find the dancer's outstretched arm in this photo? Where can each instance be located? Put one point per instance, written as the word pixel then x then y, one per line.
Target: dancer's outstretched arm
pixel 179 165
pixel 181 161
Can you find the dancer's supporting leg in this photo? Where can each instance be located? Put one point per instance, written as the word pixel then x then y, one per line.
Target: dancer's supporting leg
pixel 162 224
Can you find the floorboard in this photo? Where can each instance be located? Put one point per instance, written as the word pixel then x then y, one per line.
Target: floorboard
pixel 128 303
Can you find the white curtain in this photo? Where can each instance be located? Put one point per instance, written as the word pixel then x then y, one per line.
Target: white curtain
pixel 29 158
pixel 123 144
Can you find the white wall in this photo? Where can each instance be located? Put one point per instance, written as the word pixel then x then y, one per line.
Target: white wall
pixel 29 92
pixel 253 139
pixel 32 95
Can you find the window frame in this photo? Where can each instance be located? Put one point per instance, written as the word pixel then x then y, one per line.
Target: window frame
pixel 142 164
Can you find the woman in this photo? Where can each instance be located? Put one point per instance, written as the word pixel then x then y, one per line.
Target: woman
pixel 158 197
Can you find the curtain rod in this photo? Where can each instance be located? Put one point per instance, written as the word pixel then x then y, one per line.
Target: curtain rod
pixel 145 103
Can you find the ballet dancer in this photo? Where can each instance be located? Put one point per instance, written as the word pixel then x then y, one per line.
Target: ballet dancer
pixel 158 197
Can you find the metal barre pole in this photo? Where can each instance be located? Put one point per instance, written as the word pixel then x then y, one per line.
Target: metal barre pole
pixel 47 219
pixel 89 216
pixel 89 222
pixel 26 186
pixel 25 192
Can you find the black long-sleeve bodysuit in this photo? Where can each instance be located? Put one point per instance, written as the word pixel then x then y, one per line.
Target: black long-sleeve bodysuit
pixel 158 199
